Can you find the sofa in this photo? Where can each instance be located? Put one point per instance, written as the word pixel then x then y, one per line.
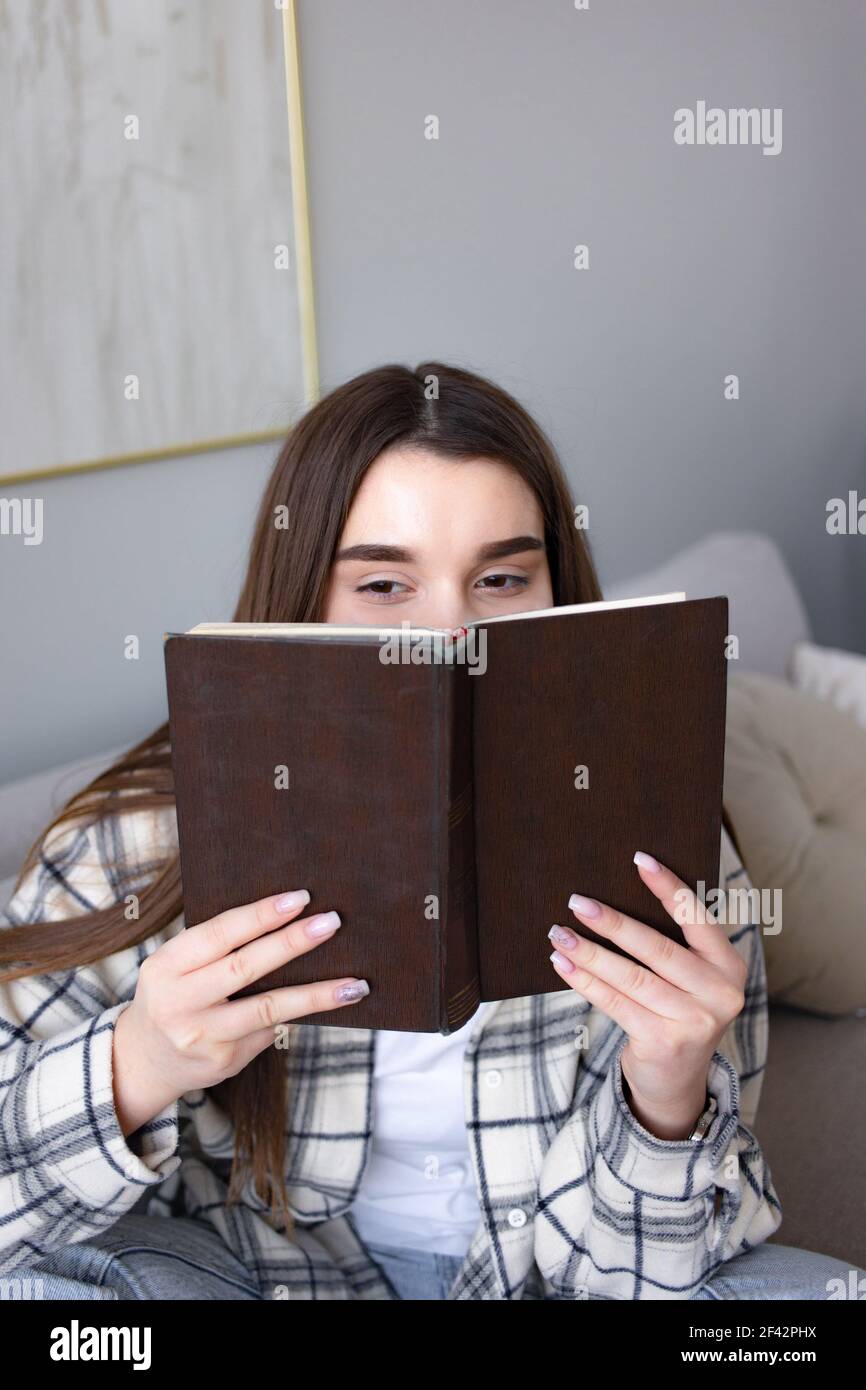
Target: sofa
pixel 811 1120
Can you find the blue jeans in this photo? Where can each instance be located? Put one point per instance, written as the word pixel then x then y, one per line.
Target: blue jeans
pixel 139 1257
pixel 767 1272
pixel 145 1257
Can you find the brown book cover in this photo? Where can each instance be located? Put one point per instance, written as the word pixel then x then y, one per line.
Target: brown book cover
pixel 447 800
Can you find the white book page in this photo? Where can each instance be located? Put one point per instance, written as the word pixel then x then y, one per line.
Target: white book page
pixel 598 607
pixel 363 631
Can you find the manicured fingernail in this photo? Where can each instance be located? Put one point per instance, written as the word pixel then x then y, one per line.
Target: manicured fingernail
pixel 323 924
pixel 289 901
pixel 346 994
pixel 563 937
pixel 563 962
pixel 587 907
pixel 646 861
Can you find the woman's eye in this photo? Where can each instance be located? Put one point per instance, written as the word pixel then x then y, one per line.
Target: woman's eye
pixel 504 583
pixel 381 588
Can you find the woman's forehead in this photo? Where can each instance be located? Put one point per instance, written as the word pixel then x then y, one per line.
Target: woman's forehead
pixel 410 497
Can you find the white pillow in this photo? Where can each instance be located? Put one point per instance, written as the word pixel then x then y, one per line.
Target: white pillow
pixel 828 674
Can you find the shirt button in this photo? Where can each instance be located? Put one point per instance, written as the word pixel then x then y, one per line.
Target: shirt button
pixel 517 1217
pixel 494 1078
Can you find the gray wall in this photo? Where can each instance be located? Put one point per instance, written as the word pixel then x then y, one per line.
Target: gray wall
pixel 556 127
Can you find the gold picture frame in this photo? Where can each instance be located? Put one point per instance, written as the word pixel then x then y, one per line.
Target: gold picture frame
pixel 305 293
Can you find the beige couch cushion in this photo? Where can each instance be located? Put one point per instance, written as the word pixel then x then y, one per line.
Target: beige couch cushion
pixel 795 790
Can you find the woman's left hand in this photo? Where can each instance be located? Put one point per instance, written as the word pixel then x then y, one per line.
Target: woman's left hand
pixel 675 1007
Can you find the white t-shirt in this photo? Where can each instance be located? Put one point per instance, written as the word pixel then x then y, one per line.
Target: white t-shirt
pixel 418 1188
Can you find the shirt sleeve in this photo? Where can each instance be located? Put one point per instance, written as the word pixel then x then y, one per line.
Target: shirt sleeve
pixel 626 1215
pixel 66 1168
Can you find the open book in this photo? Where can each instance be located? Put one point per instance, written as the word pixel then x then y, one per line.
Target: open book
pixel 446 792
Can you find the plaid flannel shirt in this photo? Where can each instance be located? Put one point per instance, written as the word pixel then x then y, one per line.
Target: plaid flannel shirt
pixel 577 1198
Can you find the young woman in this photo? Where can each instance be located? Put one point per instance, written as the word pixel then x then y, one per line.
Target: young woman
pixel 501 1162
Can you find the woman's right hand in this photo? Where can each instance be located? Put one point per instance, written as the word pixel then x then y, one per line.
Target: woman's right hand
pixel 182 1033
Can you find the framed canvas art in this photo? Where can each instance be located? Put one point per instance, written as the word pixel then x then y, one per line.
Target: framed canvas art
pixel 155 264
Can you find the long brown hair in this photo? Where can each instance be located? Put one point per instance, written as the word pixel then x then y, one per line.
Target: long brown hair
pixel 441 408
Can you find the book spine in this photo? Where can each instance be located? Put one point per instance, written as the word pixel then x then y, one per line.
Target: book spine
pixel 460 982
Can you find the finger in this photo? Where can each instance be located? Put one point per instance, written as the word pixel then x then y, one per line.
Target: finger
pixel 705 936
pixel 209 941
pixel 627 976
pixel 255 959
pixel 259 1041
pixel 248 1048
pixel 638 1022
pixel 238 1018
pixel 673 962
pixel 254 1043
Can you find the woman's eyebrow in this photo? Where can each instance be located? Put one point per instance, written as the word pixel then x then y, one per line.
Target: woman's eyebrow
pixel 515 545
pixel 398 555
